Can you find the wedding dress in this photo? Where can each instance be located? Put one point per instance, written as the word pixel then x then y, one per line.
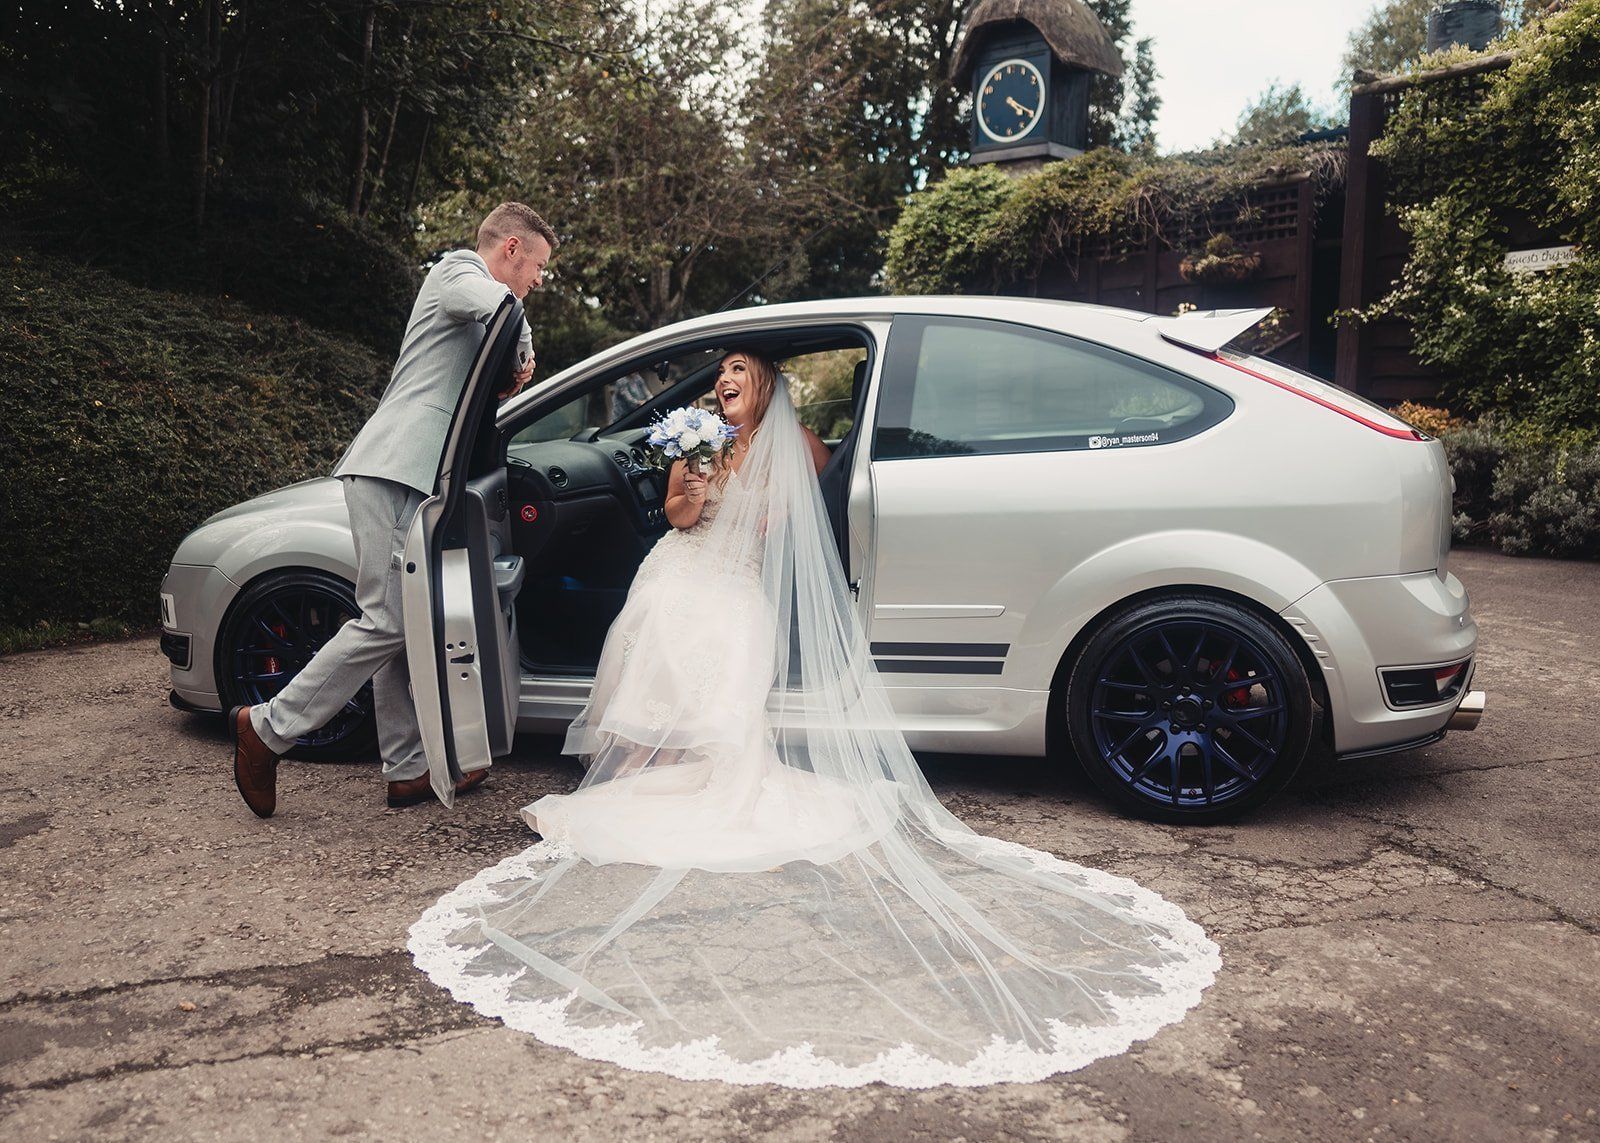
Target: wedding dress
pixel 754 882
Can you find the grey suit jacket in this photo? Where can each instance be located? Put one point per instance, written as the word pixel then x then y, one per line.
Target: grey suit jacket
pixel 404 438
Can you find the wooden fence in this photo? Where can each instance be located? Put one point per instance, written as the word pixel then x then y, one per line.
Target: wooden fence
pixel 1278 221
pixel 1343 254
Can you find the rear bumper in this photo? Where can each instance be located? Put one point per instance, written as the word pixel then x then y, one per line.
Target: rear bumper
pixel 1359 627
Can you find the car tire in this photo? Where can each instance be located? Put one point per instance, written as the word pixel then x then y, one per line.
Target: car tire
pixel 1189 709
pixel 245 647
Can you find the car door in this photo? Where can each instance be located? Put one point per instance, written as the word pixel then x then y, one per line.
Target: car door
pixel 461 579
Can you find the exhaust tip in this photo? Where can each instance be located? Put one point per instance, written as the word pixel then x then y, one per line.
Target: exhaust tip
pixel 1469 712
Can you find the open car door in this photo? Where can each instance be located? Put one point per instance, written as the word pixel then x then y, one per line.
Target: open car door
pixel 461 579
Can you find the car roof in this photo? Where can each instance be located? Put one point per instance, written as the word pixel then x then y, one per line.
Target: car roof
pixel 1110 325
pixel 1065 316
pixel 889 305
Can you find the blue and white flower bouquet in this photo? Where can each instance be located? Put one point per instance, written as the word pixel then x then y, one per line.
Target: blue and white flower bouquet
pixel 690 433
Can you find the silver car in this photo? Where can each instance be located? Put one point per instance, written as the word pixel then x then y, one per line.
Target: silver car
pixel 1072 530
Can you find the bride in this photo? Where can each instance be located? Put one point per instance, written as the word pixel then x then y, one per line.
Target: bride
pixel 753 882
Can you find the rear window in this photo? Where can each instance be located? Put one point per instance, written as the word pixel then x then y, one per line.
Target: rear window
pixel 957 386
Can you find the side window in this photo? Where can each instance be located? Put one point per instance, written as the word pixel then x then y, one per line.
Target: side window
pixel 823 387
pixel 958 385
pixel 603 405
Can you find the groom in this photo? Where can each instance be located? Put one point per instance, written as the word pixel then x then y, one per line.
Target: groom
pixel 387 471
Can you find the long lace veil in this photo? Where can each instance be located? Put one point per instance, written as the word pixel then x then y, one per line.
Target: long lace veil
pixel 768 890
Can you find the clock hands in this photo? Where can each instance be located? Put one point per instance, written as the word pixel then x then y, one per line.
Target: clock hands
pixel 992 94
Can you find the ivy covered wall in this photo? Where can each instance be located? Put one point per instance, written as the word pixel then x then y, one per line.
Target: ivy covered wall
pixel 1517 169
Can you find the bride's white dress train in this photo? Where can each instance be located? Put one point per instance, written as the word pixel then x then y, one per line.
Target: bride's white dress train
pixel 754 883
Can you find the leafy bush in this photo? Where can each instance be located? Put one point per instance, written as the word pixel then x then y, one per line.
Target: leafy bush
pixel 1548 505
pixel 1464 173
pixel 1526 489
pixel 938 245
pixel 1434 422
pixel 1475 452
pixel 130 415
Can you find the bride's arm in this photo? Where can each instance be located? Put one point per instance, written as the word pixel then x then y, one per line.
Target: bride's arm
pixel 819 451
pixel 686 494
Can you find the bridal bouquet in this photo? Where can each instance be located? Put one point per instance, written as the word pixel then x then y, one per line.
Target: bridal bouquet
pixel 691 433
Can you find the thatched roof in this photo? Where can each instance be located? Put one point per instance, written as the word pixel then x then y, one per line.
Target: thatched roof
pixel 1073 32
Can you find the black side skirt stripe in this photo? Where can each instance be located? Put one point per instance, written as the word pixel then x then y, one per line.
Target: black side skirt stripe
pixel 945 650
pixel 939 667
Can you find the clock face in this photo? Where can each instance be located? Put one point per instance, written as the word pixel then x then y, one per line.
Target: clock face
pixel 1010 101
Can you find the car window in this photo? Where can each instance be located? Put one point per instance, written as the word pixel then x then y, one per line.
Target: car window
pixel 820 383
pixel 957 386
pixel 604 405
pixel 821 386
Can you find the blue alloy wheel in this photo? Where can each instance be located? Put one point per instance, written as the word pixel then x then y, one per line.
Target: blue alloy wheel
pixel 1189 713
pixel 1190 710
pixel 271 633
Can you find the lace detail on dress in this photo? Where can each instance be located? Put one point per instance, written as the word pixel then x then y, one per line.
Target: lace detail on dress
pixel 1178 984
pixel 754 881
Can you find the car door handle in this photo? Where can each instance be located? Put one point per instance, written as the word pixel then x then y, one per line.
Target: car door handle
pixel 508 573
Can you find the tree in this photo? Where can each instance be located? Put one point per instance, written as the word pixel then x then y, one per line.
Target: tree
pixel 1279 115
pixel 895 122
pixel 1123 110
pixel 674 167
pixel 361 103
pixel 885 118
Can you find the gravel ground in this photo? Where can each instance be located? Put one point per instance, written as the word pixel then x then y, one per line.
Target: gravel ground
pixel 1410 944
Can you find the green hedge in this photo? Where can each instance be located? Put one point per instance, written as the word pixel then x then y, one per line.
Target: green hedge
pixel 297 258
pixel 128 415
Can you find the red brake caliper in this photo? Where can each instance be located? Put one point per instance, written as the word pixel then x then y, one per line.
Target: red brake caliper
pixel 1236 699
pixel 281 632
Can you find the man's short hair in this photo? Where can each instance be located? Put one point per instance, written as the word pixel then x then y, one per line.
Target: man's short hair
pixel 514 218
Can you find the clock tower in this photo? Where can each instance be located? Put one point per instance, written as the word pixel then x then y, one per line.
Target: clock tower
pixel 1029 64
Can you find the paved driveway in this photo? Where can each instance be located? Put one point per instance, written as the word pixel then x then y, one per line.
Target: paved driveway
pixel 1411 945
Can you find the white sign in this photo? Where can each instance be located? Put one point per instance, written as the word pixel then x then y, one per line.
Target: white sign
pixel 1532 261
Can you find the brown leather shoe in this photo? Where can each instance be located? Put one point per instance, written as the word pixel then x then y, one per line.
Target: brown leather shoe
pixel 255 766
pixel 419 789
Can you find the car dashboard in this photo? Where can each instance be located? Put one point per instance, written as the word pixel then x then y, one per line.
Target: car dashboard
pixel 584 514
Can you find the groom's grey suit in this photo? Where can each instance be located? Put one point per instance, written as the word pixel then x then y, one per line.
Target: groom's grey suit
pixel 387 471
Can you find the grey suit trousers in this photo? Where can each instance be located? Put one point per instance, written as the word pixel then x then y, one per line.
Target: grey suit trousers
pixel 370 647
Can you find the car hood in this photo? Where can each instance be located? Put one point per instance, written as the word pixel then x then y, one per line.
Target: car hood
pixel 317 492
pixel 272 517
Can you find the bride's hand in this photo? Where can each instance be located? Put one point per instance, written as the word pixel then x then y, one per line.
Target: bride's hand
pixel 694 484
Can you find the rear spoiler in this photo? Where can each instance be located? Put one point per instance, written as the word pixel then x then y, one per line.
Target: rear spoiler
pixel 1209 330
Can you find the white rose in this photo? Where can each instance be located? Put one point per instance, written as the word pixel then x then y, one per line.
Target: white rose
pixel 690 440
